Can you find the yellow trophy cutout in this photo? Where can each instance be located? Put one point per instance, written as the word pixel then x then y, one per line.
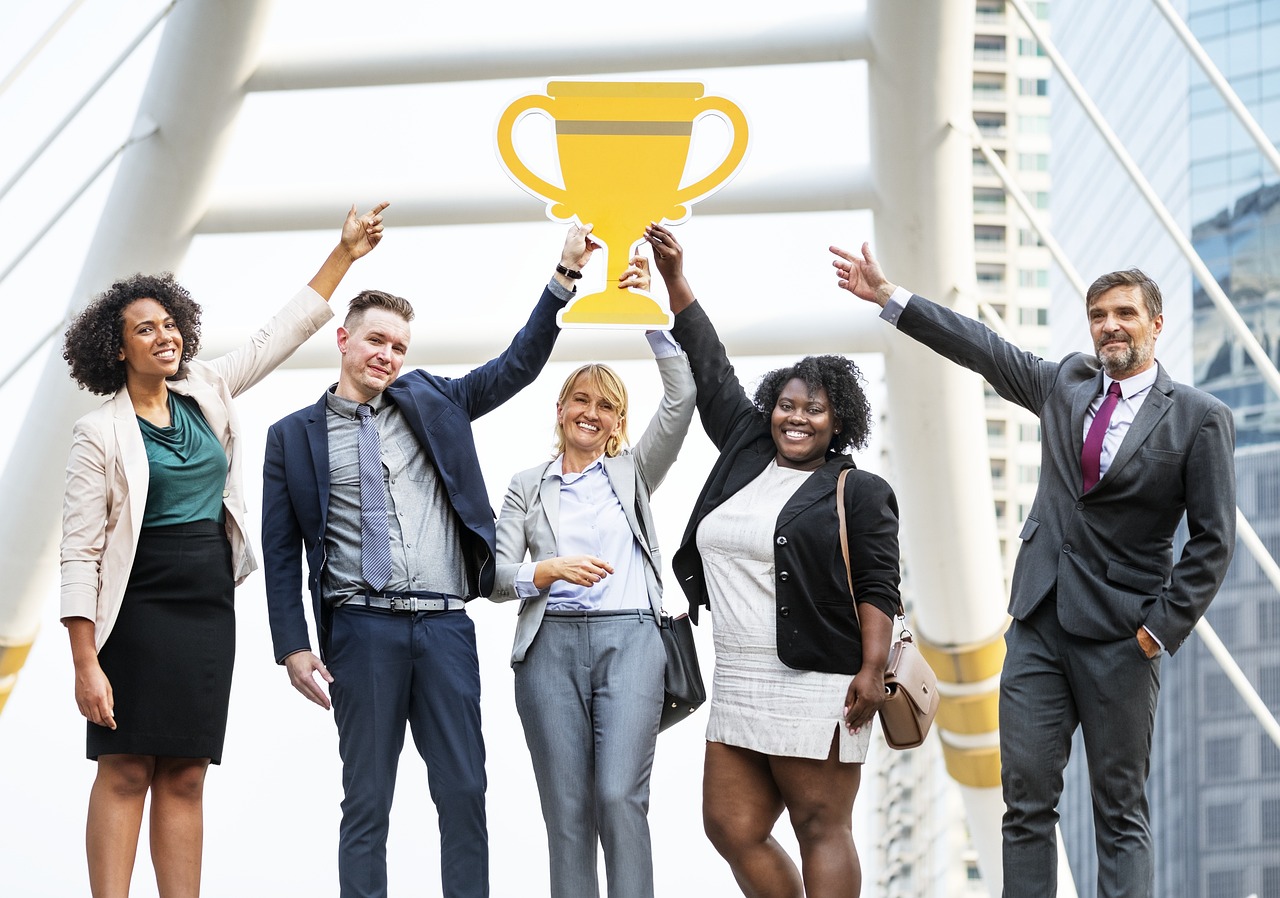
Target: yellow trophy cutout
pixel 623 147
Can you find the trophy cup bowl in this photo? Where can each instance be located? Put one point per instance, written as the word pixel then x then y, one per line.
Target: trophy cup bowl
pixel 623 147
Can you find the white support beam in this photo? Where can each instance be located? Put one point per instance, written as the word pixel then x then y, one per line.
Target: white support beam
pixel 307 208
pixel 193 97
pixel 746 42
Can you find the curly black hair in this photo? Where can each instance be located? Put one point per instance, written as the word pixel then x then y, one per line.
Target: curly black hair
pixel 91 345
pixel 843 382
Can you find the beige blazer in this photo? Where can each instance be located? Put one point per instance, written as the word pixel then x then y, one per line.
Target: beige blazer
pixel 530 519
pixel 108 475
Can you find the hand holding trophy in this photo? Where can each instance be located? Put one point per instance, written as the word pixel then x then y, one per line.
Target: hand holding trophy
pixel 623 147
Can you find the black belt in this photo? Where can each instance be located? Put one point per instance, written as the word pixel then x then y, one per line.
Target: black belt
pixel 409 602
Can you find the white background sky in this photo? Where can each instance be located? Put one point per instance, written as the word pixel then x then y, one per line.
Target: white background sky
pixel 272 807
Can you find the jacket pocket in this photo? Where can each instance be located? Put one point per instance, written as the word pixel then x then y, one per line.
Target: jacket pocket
pixel 1162 456
pixel 1144 581
pixel 1029 527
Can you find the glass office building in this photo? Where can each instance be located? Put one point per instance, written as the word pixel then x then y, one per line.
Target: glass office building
pixel 1215 780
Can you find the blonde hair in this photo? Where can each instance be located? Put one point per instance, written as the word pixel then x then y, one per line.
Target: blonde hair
pixel 605 381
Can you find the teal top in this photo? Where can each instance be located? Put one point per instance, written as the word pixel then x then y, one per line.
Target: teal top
pixel 188 467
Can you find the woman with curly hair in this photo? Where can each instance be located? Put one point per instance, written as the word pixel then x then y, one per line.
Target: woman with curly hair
pixel 797 678
pixel 153 545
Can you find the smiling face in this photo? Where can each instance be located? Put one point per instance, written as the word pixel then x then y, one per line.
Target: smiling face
pixel 591 411
pixel 1124 333
pixel 372 352
pixel 802 426
pixel 150 341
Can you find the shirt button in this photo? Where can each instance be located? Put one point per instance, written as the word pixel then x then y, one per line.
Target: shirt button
pixel 1067 548
pixel 1079 505
pixel 782 540
pixel 226 493
pixel 784 611
pixel 784 576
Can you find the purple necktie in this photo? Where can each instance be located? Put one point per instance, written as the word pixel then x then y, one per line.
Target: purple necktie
pixel 1091 457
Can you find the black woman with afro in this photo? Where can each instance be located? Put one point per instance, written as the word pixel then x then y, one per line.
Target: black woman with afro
pixel 798 679
pixel 153 546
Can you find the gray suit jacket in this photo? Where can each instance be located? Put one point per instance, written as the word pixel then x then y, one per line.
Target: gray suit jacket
pixel 529 522
pixel 1108 553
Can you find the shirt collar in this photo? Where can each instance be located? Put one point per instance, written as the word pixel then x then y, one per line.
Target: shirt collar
pixel 347 407
pixel 1132 386
pixel 556 469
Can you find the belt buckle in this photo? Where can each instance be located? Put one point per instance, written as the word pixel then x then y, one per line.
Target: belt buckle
pixel 403 603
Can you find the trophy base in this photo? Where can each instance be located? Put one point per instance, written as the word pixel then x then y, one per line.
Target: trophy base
pixel 619 309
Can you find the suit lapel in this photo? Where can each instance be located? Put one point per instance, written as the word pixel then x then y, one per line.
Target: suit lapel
pixel 820 484
pixel 621 473
pixel 1084 394
pixel 549 492
pixel 318 443
pixel 133 455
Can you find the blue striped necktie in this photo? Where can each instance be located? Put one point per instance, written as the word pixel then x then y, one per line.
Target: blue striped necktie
pixel 375 534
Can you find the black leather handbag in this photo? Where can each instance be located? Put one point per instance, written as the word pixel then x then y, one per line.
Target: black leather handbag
pixel 683 691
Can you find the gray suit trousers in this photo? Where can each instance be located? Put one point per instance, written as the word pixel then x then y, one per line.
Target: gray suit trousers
pixel 589 693
pixel 1054 681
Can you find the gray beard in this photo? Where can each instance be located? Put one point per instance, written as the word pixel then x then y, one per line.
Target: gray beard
pixel 1131 359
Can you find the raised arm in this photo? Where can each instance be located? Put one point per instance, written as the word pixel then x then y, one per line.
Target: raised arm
pixel 659 445
pixel 861 275
pixel 722 403
pixel 360 234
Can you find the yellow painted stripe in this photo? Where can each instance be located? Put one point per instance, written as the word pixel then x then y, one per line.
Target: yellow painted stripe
pixel 970 663
pixel 978 768
pixel 626 129
pixel 12 657
pixel 647 89
pixel 970 714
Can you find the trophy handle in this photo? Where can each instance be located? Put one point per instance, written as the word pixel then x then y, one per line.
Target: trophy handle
pixel 507 150
pixel 731 162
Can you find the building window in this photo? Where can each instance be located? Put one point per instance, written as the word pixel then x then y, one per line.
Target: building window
pixel 1030 433
pixel 990 124
pixel 995 430
pixel 989 238
pixel 989 200
pixel 1030 316
pixel 1029 46
pixel 990 276
pixel 1033 161
pixel 1226 623
pixel 1033 87
pixel 1028 473
pixel 1269 820
pixel 1268 757
pixel 1028 237
pixel 998 468
pixel 1224 884
pixel 1270 882
pixel 1269 620
pixel 1033 277
pixel 1033 124
pixel 1222 758
pixel 990 10
pixel 1219 698
pixel 1039 198
pixel 1222 825
pixel 988 86
pixel 989 47
pixel 1269 686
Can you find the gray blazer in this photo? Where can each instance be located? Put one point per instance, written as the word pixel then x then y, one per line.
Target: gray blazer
pixel 1108 552
pixel 529 522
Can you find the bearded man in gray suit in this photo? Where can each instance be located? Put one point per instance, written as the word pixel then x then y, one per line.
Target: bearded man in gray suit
pixel 1097 597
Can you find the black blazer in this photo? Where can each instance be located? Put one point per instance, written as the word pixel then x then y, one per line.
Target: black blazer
pixel 439 410
pixel 816 624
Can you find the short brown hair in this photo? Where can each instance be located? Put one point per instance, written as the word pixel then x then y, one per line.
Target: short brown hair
pixel 1130 277
pixel 375 299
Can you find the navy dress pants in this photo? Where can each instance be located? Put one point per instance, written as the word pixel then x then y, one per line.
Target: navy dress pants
pixel 389 669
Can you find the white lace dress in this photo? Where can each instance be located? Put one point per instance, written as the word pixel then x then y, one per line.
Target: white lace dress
pixel 757 702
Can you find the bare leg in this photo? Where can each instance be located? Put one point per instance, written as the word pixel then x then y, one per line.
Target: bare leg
pixel 115 818
pixel 740 804
pixel 819 798
pixel 177 825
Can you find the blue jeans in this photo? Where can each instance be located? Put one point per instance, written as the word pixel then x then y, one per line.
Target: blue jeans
pixel 389 669
pixel 589 693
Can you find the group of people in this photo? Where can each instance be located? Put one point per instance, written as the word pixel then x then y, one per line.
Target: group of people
pixel 378 487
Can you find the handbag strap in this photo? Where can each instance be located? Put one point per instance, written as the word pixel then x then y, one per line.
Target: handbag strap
pixel 844 547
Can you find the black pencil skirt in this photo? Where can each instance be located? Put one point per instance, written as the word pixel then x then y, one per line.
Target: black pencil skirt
pixel 170 654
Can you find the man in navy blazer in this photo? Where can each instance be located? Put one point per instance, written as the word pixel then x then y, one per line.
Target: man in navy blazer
pixel 396 642
pixel 1096 596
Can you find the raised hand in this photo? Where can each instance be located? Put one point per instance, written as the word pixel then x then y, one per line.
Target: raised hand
pixel 636 277
pixel 578 247
pixel 360 234
pixel 861 275
pixel 668 255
